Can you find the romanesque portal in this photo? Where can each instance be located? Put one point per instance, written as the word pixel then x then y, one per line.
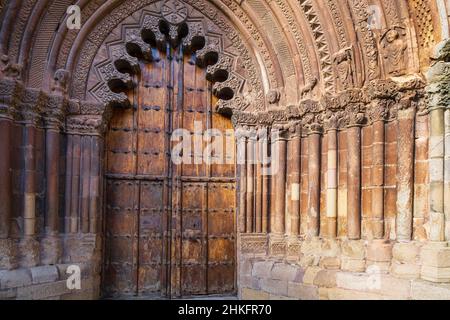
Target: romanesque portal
pixel 333 117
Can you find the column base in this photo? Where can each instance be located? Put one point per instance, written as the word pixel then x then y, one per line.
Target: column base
pixel 253 243
pixel 8 254
pixel 277 245
pixel 435 258
pixel 51 250
pixel 293 246
pixel 353 257
pixel 379 256
pixel 29 252
pixel 379 250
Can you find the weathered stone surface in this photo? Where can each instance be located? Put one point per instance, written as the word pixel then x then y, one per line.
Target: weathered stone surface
pixel 51 250
pixel 354 265
pixel 325 278
pixel 310 275
pixel 344 294
pixel 332 263
pixel 311 246
pixel 15 278
pixel 44 274
pixel 352 281
pixel 7 294
pixel 245 267
pixel 435 256
pixel 405 270
pixel 283 271
pixel 390 286
pixel 29 252
pixel 435 274
pixel 250 294
pixel 353 249
pixel 8 252
pixel 262 269
pixel 422 290
pixel 330 248
pixel 249 282
pixel 277 287
pixel 379 251
pixel 42 291
pixel 406 252
pixel 302 291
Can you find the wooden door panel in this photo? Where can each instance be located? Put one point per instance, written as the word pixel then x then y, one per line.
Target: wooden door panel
pixel 171 94
pixel 121 242
pixel 193 280
pixel 221 279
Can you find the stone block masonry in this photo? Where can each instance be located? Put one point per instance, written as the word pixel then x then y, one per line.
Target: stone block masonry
pixel 370 270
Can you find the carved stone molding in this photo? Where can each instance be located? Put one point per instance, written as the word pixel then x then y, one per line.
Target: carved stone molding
pixel 254 243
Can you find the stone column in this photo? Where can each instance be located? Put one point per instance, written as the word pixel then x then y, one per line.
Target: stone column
pixel 83 167
pixel 279 174
pixel 7 254
pixel 354 181
pixel 314 147
pixel 259 184
pixel 437 218
pixel 293 167
pixel 85 138
pixel 265 167
pixel 434 255
pixel 32 103
pixel 242 170
pixel 5 174
pixel 377 223
pixel 332 157
pixel 405 170
pixel 251 145
pixel 51 247
pixel 447 173
pixel 438 77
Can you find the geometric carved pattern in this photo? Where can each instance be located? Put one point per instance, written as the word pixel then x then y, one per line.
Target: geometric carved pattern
pixel 156 32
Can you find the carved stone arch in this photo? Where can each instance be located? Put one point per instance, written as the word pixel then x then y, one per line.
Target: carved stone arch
pixel 154 33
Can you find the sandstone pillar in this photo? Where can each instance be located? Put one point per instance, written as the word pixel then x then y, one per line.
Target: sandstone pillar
pixel 7 254
pixel 250 197
pixel 242 173
pixel 332 156
pixel 438 81
pixel 5 174
pixel 293 183
pixel 279 178
pixel 354 182
pixel 51 247
pixel 83 177
pixel 447 174
pixel 265 167
pixel 377 225
pixel 405 172
pixel 437 218
pixel 314 146
pixel 258 183
pixel 29 247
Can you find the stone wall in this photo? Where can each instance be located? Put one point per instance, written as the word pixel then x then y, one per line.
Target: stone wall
pixel 42 282
pixel 342 269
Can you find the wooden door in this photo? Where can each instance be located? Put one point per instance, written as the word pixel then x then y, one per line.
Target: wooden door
pixel 170 228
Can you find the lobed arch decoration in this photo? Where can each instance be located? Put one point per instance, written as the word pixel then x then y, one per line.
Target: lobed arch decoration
pixel 171 29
